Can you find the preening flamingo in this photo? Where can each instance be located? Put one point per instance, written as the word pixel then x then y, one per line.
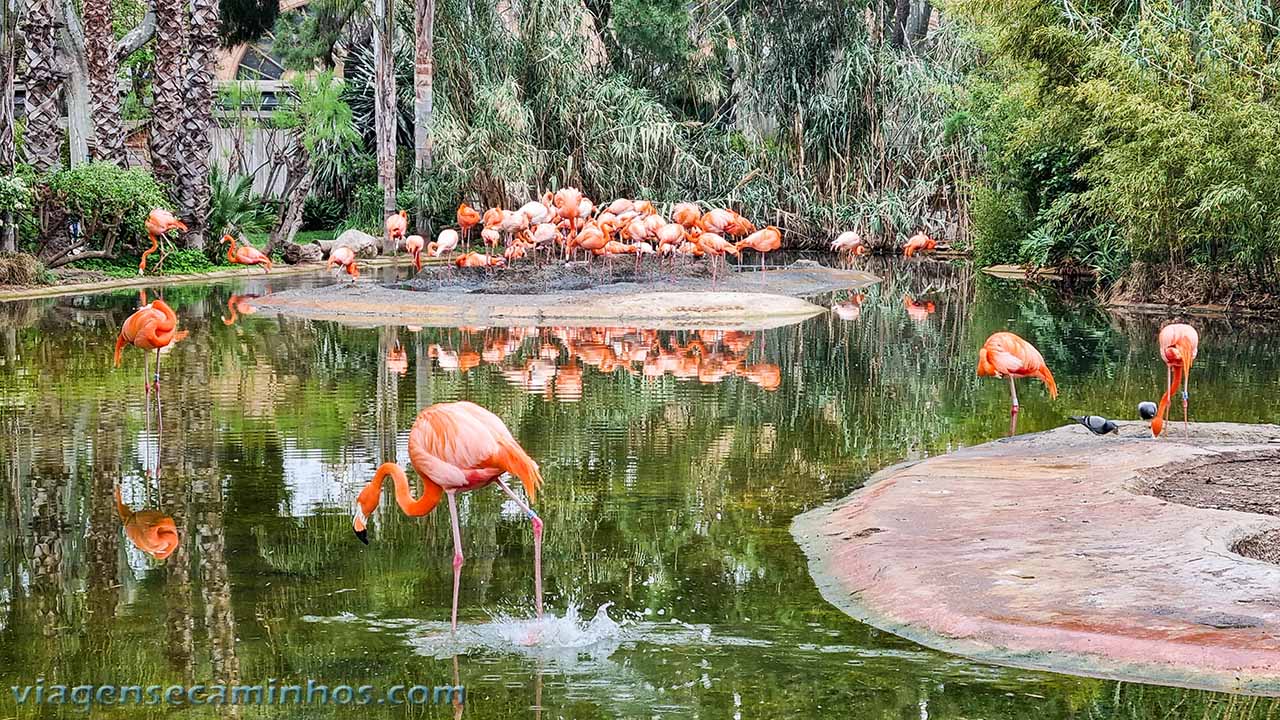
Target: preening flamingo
pixel 413 245
pixel 919 243
pixel 158 224
pixel 344 257
pixel 397 225
pixel 1179 344
pixel 457 447
pixel 445 242
pixel 151 327
pixel 245 254
pixel 1007 355
pixel 149 530
pixel 467 219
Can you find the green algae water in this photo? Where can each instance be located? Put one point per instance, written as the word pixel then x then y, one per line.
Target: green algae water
pixel 674 464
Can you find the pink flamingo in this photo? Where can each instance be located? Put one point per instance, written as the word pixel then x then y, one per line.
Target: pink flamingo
pixel 158 224
pixel 246 254
pixel 457 447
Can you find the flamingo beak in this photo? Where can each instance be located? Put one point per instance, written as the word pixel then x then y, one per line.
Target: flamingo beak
pixel 358 524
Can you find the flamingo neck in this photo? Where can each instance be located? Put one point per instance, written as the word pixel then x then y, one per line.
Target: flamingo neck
pixel 411 506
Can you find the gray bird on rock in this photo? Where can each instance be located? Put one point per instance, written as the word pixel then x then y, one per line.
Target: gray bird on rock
pixel 1097 425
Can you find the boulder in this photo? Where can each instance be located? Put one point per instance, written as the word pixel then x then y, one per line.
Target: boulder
pixel 308 253
pixel 362 244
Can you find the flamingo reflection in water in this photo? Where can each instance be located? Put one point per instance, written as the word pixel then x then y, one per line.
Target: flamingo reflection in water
pixel 151 531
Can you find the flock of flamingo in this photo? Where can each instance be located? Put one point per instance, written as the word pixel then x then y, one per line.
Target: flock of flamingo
pixel 461 447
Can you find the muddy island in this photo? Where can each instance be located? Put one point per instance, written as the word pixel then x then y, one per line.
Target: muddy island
pixel 687 294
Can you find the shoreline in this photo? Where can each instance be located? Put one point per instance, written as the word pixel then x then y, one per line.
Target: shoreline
pixel 231 273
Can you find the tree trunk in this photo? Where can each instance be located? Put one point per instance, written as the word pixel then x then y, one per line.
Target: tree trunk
pixel 8 52
pixel 423 75
pixel 292 199
pixel 384 93
pixel 919 24
pixel 169 92
pixel 197 119
pixel 76 93
pixel 106 138
pixel 43 137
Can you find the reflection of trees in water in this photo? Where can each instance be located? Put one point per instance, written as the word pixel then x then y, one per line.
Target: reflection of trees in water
pixel 102 538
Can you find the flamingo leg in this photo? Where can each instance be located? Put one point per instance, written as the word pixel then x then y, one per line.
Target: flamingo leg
pixel 537 543
pixel 1186 383
pixel 1168 380
pixel 1013 413
pixel 457 554
pixel 157 378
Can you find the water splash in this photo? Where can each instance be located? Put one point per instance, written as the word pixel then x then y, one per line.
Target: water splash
pixel 553 637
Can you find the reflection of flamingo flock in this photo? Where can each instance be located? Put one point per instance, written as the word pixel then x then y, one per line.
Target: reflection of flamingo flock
pixel 556 370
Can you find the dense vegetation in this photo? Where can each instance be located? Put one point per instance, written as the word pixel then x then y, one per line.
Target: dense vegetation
pixel 1127 139
pixel 1117 134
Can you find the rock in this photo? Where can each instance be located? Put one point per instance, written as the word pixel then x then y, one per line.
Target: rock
pixel 362 244
pixel 309 253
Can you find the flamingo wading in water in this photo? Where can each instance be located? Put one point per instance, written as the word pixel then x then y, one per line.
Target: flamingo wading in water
pixel 1179 344
pixel 457 447
pixel 151 327
pixel 245 254
pixel 414 244
pixel 158 224
pixel 1007 355
pixel 344 257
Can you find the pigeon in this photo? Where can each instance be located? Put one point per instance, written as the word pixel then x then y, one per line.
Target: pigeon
pixel 1147 410
pixel 1097 425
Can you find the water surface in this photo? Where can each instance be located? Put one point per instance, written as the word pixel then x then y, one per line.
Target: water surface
pixel 674 463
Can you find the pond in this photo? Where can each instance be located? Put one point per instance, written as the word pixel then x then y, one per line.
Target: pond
pixel 674 463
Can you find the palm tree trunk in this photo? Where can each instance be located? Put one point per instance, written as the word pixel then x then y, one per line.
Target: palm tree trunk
pixel 8 31
pixel 919 25
pixel 293 198
pixel 423 72
pixel 197 119
pixel 384 93
pixel 168 92
pixel 43 137
pixel 106 138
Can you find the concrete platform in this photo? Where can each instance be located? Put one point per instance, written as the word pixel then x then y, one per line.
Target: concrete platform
pixel 1043 551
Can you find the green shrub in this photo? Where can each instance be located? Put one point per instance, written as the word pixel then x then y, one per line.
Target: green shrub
pixel 321 213
pixel 106 199
pixel 998 227
pixel 234 207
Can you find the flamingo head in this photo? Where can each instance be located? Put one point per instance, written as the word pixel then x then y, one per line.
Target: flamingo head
pixel 367 501
pixel 226 239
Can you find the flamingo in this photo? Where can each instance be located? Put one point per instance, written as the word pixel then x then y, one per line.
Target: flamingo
pixel 762 241
pixel 413 244
pixel 1007 355
pixel 919 243
pixel 687 214
pixel 1179 344
pixel 397 360
pixel 150 531
pixel 478 260
pixel 917 311
pixel 457 447
pixel 151 327
pixel 397 225
pixel 158 224
pixel 849 241
pixel 445 242
pixel 467 219
pixel 245 254
pixel 344 257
